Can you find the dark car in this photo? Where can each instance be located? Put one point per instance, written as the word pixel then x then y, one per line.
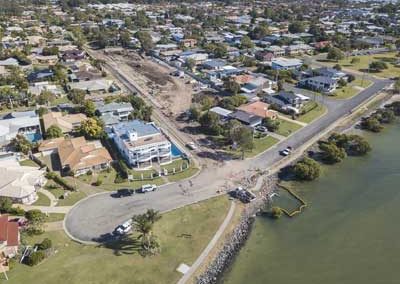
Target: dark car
pixel 124 192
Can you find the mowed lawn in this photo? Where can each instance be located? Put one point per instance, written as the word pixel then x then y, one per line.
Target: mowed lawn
pixel 261 145
pixel 286 127
pixel 313 114
pixel 390 58
pixel 75 263
pixel 43 200
pixel 352 89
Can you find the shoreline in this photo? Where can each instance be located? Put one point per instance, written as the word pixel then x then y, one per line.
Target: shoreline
pixel 238 237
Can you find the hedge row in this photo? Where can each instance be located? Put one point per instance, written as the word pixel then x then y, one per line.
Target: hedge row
pixel 59 180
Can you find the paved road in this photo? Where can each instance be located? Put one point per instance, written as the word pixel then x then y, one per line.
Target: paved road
pixel 94 218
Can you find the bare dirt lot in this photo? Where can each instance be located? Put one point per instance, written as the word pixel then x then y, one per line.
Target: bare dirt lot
pixel 172 93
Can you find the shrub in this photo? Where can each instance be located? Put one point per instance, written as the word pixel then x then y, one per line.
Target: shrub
pixel 45 244
pixel 89 172
pixel 276 212
pixel 98 182
pixel 59 180
pixel 35 258
pixel 306 169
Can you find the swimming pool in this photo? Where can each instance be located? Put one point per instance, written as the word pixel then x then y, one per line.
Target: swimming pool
pixel 175 151
pixel 33 137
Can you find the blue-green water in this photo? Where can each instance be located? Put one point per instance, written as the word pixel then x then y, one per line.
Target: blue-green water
pixel 350 233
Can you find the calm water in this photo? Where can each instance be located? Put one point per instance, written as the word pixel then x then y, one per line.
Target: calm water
pixel 350 233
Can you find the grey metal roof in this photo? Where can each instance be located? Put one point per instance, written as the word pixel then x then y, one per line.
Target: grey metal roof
pixel 142 128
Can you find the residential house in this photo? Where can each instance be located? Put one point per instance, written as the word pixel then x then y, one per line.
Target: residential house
pixel 260 109
pixel 27 124
pixel 256 85
pixel 276 50
pixel 289 102
pixel 20 183
pixel 246 118
pixel 68 123
pixel 77 154
pixel 93 86
pixel 331 73
pixel 224 114
pixel 322 84
pixel 189 42
pixel 9 62
pixel 40 75
pixel 141 143
pixel 73 55
pixel 286 64
pixel 113 113
pixel 9 240
pixel 39 87
pixel 296 49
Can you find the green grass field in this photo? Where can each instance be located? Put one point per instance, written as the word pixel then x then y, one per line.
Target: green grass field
pixel 28 163
pixel 72 198
pixel 43 200
pixel 286 127
pixel 313 114
pixel 390 58
pixel 352 89
pixel 120 263
pixel 54 217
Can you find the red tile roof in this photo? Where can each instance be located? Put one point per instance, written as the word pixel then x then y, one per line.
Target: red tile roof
pixel 9 231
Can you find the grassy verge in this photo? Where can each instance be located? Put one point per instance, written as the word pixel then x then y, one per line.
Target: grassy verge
pixel 55 217
pixel 351 89
pixel 286 127
pixel 260 145
pixel 109 184
pixel 43 200
pixel 313 114
pixel 75 263
pixel 183 175
pixel 71 199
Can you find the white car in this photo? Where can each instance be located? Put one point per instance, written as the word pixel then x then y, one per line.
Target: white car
pixel 287 151
pixel 191 146
pixel 124 228
pixel 148 187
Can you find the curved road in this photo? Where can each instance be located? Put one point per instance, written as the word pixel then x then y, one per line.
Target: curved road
pixel 94 218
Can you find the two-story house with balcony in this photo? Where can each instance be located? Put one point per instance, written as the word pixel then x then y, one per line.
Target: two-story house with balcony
pixel 141 143
pixel 113 113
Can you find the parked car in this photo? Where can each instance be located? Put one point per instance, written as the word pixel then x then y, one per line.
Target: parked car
pixel 148 187
pixel 124 228
pixel 287 151
pixel 124 192
pixel 191 146
pixel 261 128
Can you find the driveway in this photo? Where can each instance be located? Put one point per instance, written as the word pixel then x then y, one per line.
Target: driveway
pixel 93 219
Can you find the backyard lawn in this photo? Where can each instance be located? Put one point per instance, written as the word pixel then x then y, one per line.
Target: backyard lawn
pixel 28 163
pixel 182 233
pixel 286 127
pixel 43 200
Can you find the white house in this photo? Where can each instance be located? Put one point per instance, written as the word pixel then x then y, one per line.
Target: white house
pixel 141 143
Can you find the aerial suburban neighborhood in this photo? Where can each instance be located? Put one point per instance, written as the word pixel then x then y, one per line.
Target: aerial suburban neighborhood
pixel 145 141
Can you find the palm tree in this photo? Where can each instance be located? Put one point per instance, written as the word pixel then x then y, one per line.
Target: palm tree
pixel 144 226
pixel 145 229
pixel 153 215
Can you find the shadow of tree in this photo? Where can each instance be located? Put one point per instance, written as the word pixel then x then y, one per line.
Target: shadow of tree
pixel 126 244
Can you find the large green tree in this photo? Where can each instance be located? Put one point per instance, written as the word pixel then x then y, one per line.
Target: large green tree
pixel 54 131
